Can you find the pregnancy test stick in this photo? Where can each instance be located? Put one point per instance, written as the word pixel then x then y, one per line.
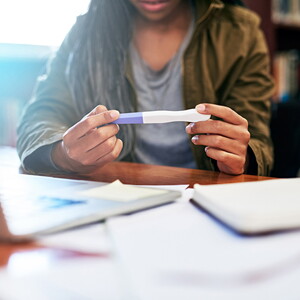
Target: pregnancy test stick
pixel 161 116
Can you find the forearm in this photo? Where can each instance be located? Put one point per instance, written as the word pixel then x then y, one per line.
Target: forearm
pixel 40 161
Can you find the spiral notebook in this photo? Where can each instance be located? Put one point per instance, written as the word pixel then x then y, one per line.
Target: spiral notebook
pixel 252 207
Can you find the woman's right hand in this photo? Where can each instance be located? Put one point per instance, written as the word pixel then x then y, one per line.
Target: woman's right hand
pixel 86 146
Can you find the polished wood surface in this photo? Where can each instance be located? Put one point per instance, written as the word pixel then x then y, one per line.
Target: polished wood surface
pixel 134 173
pixel 131 173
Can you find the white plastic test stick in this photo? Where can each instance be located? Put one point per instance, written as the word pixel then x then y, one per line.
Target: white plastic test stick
pixel 161 116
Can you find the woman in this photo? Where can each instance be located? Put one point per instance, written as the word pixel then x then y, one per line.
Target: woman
pixel 137 55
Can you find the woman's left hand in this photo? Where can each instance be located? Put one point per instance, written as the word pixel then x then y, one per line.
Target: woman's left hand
pixel 226 140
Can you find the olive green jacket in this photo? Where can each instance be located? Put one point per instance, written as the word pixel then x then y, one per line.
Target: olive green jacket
pixel 226 63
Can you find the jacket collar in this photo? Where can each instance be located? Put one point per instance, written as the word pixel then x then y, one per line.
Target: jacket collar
pixel 205 8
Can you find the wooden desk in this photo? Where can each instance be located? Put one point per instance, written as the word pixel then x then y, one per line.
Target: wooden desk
pixel 134 173
pixel 128 173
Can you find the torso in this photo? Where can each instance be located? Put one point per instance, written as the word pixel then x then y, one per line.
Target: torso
pixel 159 87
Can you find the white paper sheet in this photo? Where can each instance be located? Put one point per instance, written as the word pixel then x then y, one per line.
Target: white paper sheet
pixel 187 193
pixel 76 279
pixel 117 191
pixel 88 239
pixel 179 252
pixel 93 238
pixel 79 278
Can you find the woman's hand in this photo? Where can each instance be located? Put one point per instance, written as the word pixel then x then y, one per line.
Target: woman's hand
pixel 226 140
pixel 86 146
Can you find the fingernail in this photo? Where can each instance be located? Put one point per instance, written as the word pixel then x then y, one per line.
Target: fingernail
pixel 189 127
pixel 114 114
pixel 205 149
pixel 200 107
pixel 195 138
pixel 100 109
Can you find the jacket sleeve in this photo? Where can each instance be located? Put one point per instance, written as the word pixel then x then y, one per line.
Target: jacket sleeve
pixel 250 97
pixel 50 112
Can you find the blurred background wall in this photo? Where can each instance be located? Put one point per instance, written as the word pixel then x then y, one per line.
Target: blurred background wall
pixel 280 21
pixel 30 31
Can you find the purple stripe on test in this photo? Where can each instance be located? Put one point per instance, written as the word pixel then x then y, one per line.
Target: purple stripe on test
pixel 130 118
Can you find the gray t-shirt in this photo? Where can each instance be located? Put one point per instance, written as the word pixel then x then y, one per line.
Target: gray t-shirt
pixel 162 144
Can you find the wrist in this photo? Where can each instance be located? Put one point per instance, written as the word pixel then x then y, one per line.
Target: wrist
pixel 59 158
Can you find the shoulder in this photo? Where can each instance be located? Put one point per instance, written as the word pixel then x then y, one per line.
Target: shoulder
pixel 240 17
pixel 236 26
pixel 61 55
pixel 76 30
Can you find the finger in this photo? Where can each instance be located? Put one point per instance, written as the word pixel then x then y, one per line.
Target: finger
pixel 111 156
pixel 218 127
pixel 91 157
pixel 97 136
pixel 227 162
pixel 97 110
pixel 220 142
pixel 222 112
pixel 96 160
pixel 90 122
